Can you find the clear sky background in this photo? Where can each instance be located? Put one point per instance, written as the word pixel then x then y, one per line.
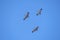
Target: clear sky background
pixel 13 27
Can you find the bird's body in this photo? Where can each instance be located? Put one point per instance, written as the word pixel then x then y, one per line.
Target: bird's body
pixel 35 29
pixel 39 12
pixel 27 15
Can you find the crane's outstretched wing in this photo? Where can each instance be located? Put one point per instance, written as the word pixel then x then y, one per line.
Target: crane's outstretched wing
pixel 26 16
pixel 39 12
pixel 35 29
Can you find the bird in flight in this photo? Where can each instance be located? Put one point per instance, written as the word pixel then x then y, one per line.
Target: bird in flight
pixel 26 16
pixel 39 12
pixel 35 29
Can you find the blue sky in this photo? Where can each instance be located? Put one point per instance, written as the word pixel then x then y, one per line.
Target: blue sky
pixel 13 27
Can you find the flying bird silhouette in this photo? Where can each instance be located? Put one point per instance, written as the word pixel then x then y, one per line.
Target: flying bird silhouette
pixel 39 12
pixel 35 29
pixel 26 16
